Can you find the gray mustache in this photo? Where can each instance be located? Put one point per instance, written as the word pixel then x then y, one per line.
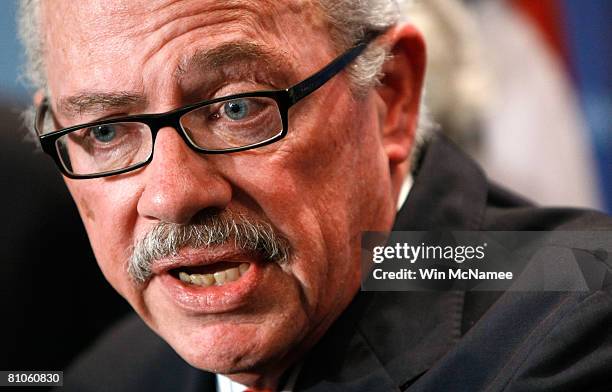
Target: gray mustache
pixel 247 234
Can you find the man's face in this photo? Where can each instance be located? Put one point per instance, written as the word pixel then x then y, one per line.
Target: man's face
pixel 319 187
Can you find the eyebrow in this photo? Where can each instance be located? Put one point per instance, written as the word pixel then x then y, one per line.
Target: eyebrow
pixel 234 53
pixel 98 102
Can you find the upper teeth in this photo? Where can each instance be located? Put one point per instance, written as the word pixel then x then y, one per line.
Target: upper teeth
pixel 218 278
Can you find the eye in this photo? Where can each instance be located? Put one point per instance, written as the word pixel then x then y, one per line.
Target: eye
pixel 104 133
pixel 237 109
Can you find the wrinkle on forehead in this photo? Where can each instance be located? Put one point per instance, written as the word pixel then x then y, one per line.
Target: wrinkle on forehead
pixel 229 54
pixel 94 36
pixel 115 18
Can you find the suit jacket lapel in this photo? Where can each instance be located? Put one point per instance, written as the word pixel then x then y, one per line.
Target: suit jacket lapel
pixel 449 192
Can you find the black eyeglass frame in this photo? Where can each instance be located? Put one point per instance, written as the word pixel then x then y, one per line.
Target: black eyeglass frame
pixel 284 98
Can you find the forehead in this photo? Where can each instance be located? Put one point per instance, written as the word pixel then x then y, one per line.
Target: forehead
pixel 104 19
pixel 94 37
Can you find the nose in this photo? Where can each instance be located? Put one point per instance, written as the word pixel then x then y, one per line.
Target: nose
pixel 180 182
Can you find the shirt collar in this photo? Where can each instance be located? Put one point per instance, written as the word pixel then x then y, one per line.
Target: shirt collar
pixel 405 189
pixel 225 384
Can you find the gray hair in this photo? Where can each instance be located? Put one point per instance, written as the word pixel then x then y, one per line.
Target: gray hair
pixel 350 20
pixel 250 235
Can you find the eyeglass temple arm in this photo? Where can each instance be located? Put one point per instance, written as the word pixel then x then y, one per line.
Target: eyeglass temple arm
pixel 315 81
pixel 38 120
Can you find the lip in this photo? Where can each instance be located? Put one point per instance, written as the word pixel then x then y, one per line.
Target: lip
pixel 212 299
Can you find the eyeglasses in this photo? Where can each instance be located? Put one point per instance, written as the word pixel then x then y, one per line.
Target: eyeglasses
pixel 218 126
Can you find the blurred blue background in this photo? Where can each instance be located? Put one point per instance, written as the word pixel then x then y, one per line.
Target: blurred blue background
pixel 10 56
pixel 588 28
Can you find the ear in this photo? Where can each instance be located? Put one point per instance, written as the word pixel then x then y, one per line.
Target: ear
pixel 400 92
pixel 38 98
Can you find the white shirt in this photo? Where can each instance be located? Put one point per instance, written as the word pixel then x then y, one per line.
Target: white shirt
pixel 403 195
pixel 224 384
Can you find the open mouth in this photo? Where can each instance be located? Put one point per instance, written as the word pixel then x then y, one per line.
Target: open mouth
pixel 216 274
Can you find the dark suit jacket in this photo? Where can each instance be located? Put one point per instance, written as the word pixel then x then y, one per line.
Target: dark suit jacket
pixel 419 341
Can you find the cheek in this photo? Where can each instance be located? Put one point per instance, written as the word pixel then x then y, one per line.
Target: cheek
pixel 108 211
pixel 321 187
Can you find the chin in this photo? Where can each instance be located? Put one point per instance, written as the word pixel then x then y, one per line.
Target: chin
pixel 229 348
